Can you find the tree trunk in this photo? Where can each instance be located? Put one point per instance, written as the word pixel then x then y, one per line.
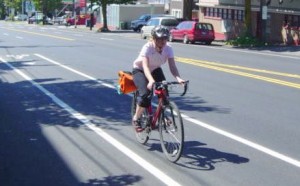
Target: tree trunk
pixel 187 9
pixel 248 20
pixel 104 14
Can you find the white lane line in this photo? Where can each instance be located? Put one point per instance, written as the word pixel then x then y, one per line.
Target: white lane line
pixel 108 39
pixel 78 35
pixel 244 141
pixel 75 71
pixel 132 155
pixel 202 124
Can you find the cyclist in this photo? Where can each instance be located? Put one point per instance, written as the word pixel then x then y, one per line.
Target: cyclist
pixel 147 69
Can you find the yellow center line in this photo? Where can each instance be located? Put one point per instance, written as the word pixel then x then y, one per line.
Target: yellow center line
pixel 47 35
pixel 240 67
pixel 272 80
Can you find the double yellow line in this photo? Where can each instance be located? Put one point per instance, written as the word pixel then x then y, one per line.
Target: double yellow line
pixel 229 69
pixel 35 33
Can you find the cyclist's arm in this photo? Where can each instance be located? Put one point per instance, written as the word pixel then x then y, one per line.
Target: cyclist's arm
pixel 174 70
pixel 148 72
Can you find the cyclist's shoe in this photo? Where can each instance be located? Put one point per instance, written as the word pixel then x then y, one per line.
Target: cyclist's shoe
pixel 168 121
pixel 137 125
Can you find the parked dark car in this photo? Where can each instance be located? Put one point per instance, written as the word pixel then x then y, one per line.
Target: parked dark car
pixel 34 19
pixel 193 31
pixel 136 25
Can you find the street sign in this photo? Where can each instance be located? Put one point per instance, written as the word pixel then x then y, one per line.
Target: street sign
pixel 29 6
pixel 264 12
pixel 67 1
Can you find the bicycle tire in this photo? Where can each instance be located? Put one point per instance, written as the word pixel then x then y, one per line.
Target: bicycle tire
pixel 133 104
pixel 171 132
pixel 143 136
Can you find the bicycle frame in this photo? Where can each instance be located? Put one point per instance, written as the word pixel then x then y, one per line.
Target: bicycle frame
pixel 162 97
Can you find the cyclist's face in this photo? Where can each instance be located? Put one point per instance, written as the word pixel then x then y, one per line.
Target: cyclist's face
pixel 160 42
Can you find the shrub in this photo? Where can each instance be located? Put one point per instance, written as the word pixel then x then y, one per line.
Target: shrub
pixel 245 41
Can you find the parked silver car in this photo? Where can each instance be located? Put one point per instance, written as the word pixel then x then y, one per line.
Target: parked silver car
pixel 21 17
pixel 168 22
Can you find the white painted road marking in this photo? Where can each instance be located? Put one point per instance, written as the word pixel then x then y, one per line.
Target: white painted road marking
pixel 202 124
pixel 108 39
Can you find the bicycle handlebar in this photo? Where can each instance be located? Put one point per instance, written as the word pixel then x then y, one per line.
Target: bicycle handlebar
pixel 166 83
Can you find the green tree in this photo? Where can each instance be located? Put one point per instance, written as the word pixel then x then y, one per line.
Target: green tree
pixel 2 9
pixel 47 6
pixel 103 4
pixel 9 5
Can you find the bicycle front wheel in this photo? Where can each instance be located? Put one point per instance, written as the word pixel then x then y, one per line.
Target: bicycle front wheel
pixel 171 132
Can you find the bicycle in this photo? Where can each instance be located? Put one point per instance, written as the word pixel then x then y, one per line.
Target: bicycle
pixel 166 118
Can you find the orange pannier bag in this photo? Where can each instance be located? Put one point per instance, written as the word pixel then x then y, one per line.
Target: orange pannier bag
pixel 126 84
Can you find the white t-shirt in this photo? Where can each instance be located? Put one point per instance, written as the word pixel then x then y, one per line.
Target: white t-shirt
pixel 155 58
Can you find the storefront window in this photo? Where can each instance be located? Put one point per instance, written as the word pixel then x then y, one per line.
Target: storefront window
pixel 224 13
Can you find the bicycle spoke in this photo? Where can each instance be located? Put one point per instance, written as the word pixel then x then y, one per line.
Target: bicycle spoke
pixel 143 136
pixel 171 132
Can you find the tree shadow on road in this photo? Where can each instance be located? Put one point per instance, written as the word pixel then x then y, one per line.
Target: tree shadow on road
pixel 121 180
pixel 198 104
pixel 27 156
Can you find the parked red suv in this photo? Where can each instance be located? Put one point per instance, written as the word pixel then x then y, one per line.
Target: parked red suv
pixel 192 31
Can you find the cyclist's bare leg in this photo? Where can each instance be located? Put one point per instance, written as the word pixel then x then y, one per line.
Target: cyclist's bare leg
pixel 138 112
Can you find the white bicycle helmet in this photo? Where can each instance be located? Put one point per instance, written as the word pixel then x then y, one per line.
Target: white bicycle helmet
pixel 160 32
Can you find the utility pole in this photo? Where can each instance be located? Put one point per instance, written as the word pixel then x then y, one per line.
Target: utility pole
pixel 74 13
pixel 264 16
pixel 22 7
pixel 73 8
pixel 43 11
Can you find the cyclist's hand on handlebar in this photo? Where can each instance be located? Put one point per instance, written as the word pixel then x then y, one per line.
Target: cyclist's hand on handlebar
pixel 181 81
pixel 184 83
pixel 150 85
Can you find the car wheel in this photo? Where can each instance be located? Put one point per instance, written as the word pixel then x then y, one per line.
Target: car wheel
pixel 142 35
pixel 139 28
pixel 185 39
pixel 208 42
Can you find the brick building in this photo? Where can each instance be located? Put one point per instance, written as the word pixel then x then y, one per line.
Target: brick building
pixel 227 16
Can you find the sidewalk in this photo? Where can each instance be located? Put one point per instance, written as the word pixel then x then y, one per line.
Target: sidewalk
pixel 280 49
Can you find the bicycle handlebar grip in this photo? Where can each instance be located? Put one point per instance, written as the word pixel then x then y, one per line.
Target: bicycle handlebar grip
pixel 186 83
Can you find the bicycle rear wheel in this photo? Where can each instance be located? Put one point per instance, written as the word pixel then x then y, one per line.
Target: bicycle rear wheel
pixel 171 132
pixel 133 103
pixel 143 136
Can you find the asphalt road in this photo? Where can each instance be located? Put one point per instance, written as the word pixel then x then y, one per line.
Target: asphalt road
pixel 63 123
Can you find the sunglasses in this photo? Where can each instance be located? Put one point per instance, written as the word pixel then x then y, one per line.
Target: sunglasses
pixel 161 39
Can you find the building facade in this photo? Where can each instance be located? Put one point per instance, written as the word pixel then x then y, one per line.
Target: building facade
pixel 227 16
pixel 177 8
